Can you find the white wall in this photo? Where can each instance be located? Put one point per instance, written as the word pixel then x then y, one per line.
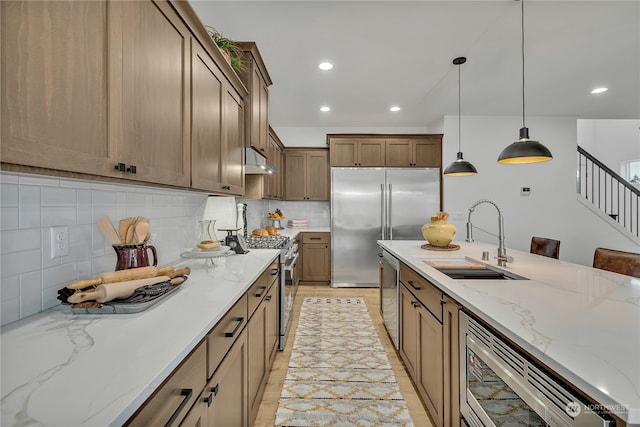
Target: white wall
pixel 611 141
pixel 552 209
pixel 317 136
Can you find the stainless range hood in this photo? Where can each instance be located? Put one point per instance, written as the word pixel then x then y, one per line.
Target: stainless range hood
pixel 255 163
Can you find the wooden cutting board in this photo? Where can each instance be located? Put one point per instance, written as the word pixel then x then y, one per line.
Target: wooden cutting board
pixel 445 263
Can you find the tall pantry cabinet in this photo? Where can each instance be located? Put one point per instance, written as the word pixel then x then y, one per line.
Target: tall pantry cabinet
pixel 104 89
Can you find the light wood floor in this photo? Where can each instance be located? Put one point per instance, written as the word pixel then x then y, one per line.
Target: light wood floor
pixel 267 412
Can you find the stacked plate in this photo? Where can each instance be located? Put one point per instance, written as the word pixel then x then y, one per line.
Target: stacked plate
pixel 197 253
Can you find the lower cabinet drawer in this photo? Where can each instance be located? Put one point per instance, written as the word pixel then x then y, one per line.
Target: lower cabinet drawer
pixel 173 399
pixel 316 237
pixel 428 294
pixel 224 334
pixel 258 290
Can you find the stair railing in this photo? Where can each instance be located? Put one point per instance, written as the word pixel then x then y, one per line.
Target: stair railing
pixel 608 191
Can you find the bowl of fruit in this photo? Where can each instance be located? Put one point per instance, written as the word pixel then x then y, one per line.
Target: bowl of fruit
pixel 274 218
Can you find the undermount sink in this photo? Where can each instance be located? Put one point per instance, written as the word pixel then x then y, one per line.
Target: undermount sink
pixel 479 274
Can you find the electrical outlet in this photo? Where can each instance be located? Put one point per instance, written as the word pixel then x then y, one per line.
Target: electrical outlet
pixel 59 241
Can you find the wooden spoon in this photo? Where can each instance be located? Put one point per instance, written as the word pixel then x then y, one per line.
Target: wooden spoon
pixel 141 231
pixel 109 230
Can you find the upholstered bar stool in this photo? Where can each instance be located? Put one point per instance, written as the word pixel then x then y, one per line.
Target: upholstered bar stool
pixel 545 247
pixel 627 263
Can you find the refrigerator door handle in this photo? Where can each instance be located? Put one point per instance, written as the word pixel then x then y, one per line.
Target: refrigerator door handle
pixel 382 231
pixel 390 215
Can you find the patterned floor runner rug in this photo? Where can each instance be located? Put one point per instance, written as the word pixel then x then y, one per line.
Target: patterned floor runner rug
pixel 339 374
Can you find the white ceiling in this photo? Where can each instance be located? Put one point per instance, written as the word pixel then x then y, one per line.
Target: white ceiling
pixel 399 53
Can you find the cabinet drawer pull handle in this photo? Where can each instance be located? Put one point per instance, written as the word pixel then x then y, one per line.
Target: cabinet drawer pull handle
pixel 274 272
pixel 413 286
pixel 259 294
pixel 268 298
pixel 215 389
pixel 132 169
pixel 415 304
pixel 209 399
pixel 121 167
pixel 186 392
pixel 240 321
pixel 315 238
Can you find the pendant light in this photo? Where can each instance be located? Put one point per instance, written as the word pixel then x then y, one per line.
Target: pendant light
pixel 524 150
pixel 460 167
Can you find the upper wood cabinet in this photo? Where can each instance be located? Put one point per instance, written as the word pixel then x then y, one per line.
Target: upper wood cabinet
pixel 105 89
pixel 57 107
pixel 257 80
pixel 306 174
pixel 155 89
pixel 217 128
pixel 377 150
pixel 410 152
pixel 357 152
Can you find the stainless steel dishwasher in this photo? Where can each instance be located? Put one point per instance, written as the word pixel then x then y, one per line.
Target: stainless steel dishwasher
pixel 390 295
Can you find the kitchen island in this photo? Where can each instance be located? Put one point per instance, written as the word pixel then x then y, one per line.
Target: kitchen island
pixel 65 369
pixel 581 323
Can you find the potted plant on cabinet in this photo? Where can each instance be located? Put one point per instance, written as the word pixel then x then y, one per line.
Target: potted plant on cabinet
pixel 228 48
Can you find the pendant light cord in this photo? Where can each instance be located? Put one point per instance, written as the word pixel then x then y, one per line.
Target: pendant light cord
pixel 459 116
pixel 522 40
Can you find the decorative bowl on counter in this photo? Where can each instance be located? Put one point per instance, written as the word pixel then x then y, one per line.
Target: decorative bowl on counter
pixel 439 232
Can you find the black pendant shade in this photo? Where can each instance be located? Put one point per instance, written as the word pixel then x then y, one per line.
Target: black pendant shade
pixel 460 167
pixel 525 150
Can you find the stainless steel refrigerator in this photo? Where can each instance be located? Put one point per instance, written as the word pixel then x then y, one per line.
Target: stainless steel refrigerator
pixel 370 204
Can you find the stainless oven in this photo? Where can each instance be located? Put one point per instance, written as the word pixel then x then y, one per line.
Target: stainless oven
pixel 500 386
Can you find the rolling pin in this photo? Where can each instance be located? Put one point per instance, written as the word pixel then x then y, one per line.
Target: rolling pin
pixel 111 291
pixel 121 275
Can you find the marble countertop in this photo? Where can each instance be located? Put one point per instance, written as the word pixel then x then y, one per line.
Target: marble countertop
pixel 64 369
pixel 581 322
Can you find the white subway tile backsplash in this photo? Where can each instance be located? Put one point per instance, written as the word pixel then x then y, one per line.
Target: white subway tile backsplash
pixel 20 240
pixel 20 262
pixel 80 243
pixel 103 198
pixel 9 195
pixel 10 288
pixel 40 180
pixel 59 197
pixel 75 183
pixel 53 216
pixel 10 311
pixel 104 263
pixel 59 276
pixel 29 206
pixel 30 293
pixel 50 298
pixel 9 178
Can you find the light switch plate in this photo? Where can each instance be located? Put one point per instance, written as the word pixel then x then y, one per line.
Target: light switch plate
pixel 525 191
pixel 59 241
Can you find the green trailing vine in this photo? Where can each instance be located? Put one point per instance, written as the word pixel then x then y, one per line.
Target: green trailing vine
pixel 226 44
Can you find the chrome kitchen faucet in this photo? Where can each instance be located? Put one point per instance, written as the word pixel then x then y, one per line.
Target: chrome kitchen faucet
pixel 502 251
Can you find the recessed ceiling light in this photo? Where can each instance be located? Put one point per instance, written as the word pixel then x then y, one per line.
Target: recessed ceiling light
pixel 325 109
pixel 394 108
pixel 600 90
pixel 325 66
